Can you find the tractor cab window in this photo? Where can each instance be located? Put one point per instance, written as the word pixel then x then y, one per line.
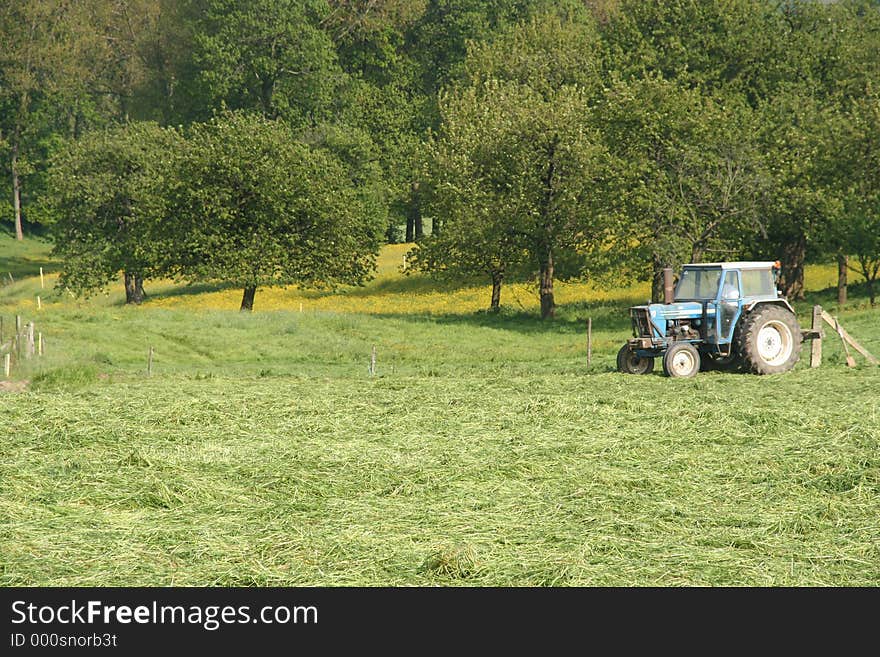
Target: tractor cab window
pixel 699 284
pixel 758 283
pixel 729 304
pixel 730 291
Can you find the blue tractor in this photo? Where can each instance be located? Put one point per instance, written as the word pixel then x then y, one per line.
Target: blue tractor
pixel 726 315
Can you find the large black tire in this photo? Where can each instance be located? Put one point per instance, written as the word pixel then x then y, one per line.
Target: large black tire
pixel 769 340
pixel 629 363
pixel 681 361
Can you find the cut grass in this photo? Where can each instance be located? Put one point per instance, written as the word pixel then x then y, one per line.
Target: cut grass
pixel 541 479
pixel 484 453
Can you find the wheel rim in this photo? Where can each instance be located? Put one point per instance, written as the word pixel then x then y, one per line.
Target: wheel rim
pixel 683 363
pixel 634 362
pixel 774 343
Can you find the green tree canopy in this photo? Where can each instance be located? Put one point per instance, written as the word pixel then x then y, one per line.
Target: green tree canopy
pixel 860 160
pixel 254 207
pixel 268 55
pixel 517 179
pixel 108 197
pixel 688 169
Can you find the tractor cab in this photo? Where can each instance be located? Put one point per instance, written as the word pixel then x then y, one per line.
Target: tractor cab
pixel 726 289
pixel 702 313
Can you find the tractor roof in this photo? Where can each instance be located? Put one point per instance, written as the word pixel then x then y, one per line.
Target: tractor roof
pixel 734 265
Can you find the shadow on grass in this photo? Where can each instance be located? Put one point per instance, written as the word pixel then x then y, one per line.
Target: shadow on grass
pixel 414 285
pixel 570 318
pixel 24 259
pixel 186 290
pixel 857 298
pixel 410 284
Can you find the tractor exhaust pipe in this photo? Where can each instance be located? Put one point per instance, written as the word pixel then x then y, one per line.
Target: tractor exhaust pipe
pixel 668 285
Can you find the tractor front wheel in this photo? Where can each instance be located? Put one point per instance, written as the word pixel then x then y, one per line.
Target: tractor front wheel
pixel 681 360
pixel 770 340
pixel 629 362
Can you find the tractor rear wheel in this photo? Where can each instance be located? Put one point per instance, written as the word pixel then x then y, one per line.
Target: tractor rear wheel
pixel 770 340
pixel 629 362
pixel 681 360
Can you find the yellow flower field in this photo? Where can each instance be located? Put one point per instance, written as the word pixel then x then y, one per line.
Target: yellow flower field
pixel 390 292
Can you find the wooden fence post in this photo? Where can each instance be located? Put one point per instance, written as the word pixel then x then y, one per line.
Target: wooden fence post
pixel 589 341
pixel 816 347
pixel 6 365
pixel 29 351
pixel 850 361
pixel 39 344
pixel 42 285
pixel 150 362
pixel 373 361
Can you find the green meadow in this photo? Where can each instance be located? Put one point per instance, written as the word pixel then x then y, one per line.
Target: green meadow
pixel 483 451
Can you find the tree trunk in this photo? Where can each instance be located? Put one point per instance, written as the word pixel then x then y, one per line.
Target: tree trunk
pixel 792 277
pixel 872 297
pixel 410 228
pixel 134 288
pixel 548 304
pixel 247 299
pixel 16 193
pixel 416 210
pixel 842 264
pixel 497 279
pixel 658 264
pixel 267 90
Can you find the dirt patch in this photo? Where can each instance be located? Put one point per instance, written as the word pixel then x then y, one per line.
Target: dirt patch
pixel 13 386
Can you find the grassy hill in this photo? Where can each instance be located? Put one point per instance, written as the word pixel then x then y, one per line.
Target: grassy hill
pixel 483 452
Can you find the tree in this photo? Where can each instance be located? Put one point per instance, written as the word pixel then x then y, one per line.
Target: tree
pixel 545 53
pixel 143 50
pixel 48 49
pixel 712 46
pixel 860 155
pixel 382 93
pixel 688 170
pixel 514 175
pixel 518 178
pixel 827 61
pixel 802 200
pixel 478 238
pixel 108 193
pixel 254 206
pixel 266 55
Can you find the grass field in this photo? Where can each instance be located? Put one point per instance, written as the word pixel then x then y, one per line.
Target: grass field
pixel 484 452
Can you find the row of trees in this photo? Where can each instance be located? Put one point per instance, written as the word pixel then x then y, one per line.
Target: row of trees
pixel 676 132
pixel 540 139
pixel 368 66
pixel 238 199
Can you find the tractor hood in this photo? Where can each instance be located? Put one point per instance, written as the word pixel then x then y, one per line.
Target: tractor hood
pixel 678 310
pixel 661 317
